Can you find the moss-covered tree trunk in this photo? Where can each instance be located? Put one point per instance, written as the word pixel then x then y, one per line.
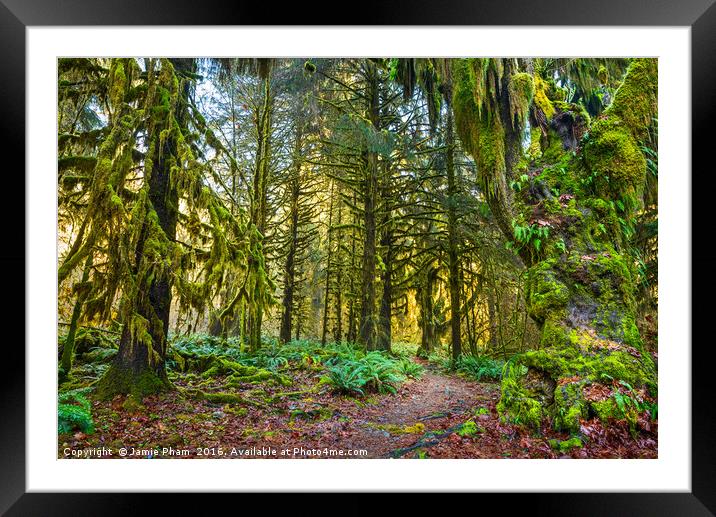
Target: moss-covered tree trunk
pixel 290 269
pixel 329 271
pixel 289 284
pixel 338 305
pixel 68 351
pixel 368 329
pixel 453 259
pixel 139 367
pixel 581 280
pixel 426 316
pixel 352 334
pixel 385 314
pixel 258 275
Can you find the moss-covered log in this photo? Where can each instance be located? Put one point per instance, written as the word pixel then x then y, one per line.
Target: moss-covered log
pixel 581 280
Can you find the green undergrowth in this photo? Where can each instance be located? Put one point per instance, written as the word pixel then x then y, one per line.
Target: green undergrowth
pixel 74 412
pixel 346 368
pixel 480 367
pixel 474 367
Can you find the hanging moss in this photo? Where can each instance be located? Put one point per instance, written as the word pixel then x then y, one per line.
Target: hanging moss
pixel 521 89
pixel 84 164
pixel 636 101
pixel 480 131
pixel 534 152
pixel 541 99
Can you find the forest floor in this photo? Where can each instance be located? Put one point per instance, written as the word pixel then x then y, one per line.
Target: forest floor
pixel 439 415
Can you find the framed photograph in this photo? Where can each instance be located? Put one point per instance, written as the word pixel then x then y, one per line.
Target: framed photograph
pixel 434 239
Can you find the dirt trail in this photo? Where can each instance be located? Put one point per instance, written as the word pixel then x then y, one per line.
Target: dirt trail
pixel 433 403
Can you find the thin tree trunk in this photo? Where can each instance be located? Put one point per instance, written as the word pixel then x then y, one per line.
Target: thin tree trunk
pixel 338 328
pixel 290 268
pixel 326 296
pixel 68 352
pixel 368 319
pixel 453 259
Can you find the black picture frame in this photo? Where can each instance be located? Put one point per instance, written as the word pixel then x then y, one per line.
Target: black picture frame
pixel 700 15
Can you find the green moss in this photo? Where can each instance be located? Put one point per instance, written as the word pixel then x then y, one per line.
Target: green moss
pixel 582 293
pixel 223 398
pixel 237 373
pixel 133 404
pixel 615 158
pixel 482 135
pixel 580 358
pixel 636 100
pixel 85 164
pixel 521 90
pixel 545 293
pixel 604 409
pixel 534 152
pixel 123 380
pixel 603 75
pixel 417 428
pixel 570 406
pixel 579 113
pixel 541 99
pixel 565 445
pixel 516 404
pixel 469 428
pixel 118 85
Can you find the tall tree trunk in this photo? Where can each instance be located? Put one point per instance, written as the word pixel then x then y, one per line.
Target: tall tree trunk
pixel 385 332
pixel 338 327
pixel 426 319
pixel 368 318
pixel 352 330
pixel 327 289
pixel 138 368
pixel 258 274
pixel 386 276
pixel 290 267
pixel 453 258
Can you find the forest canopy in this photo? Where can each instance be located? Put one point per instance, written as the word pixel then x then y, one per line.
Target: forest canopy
pixel 272 236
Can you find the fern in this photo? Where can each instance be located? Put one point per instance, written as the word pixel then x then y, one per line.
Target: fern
pixel 480 367
pixel 410 368
pixel 347 378
pixel 74 412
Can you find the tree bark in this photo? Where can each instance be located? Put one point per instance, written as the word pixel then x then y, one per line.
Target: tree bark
pixel 139 367
pixel 453 258
pixel 257 267
pixel 290 265
pixel 368 320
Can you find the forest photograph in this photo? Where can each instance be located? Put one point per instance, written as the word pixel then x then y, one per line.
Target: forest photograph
pixel 356 258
